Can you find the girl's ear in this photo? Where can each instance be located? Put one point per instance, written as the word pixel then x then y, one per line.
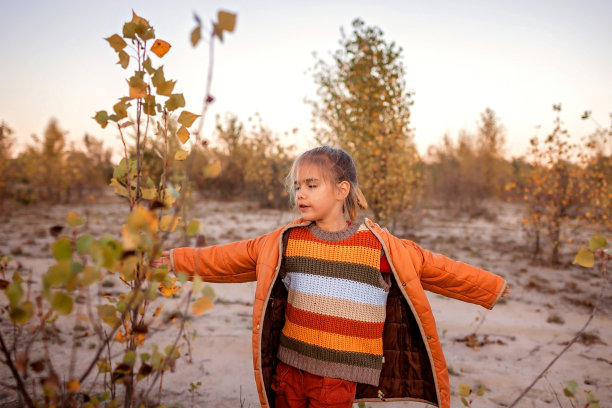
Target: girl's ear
pixel 344 187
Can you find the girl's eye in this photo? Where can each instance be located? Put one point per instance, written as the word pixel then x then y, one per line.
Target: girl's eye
pixel 312 186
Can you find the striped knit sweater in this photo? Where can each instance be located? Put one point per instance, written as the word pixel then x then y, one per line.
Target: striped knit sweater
pixel 336 305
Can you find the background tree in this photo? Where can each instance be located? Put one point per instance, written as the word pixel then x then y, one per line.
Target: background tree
pixel 6 174
pixel 364 108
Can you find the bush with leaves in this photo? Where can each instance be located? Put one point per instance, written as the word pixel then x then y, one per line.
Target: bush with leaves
pixel 118 326
pixel 364 108
pixel 466 173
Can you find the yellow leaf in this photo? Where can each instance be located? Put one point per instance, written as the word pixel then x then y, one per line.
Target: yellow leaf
pixel 187 118
pixel 160 48
pixel 138 20
pixel 167 292
pixel 169 223
pixel 158 311
pixel 465 390
pixel 137 92
pixel 74 220
pixel 149 193
pixel 201 305
pixel 183 134
pixel 226 21
pixel 120 337
pixel 212 170
pixel 74 385
pixel 119 189
pixel 142 219
pixel 181 155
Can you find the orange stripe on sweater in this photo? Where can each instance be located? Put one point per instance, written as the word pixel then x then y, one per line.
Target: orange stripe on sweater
pixel 334 253
pixel 332 324
pixel 333 341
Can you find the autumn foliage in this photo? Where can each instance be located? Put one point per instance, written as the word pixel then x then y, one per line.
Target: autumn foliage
pixel 364 107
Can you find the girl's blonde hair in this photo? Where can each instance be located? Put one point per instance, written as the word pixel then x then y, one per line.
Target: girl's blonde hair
pixel 337 166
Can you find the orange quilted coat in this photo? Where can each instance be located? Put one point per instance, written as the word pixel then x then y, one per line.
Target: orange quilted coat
pixel 414 367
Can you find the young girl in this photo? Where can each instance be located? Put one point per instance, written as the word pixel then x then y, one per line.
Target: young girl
pixel 340 313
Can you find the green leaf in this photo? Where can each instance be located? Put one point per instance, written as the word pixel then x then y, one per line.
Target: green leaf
pixel 14 292
pixel 104 366
pixel 181 155
pixel 83 243
pixel 585 258
pixel 74 220
pixel 481 390
pixel 148 66
pixel 60 273
pixel 21 314
pixel 465 402
pixel 62 248
pixel 182 277
pixel 158 77
pixel 175 101
pixel 138 87
pixel 198 284
pixel 196 35
pixel 61 303
pixel 88 276
pixel 144 357
pixel 187 118
pixel 193 227
pixel 129 357
pixel 120 109
pixel 570 388
pixel 597 242
pixel 209 292
pixel 108 314
pixel 102 118
pixel 124 59
pixel 116 42
pixel 165 88
pixel 129 30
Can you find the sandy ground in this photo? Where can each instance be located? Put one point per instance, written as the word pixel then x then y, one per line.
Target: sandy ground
pixel 521 334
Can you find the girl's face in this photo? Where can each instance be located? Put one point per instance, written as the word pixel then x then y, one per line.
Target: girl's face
pixel 318 199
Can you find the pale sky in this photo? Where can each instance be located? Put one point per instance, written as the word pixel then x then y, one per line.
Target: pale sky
pixel 516 57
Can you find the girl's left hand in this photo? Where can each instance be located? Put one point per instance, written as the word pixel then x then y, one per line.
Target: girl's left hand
pixel 164 259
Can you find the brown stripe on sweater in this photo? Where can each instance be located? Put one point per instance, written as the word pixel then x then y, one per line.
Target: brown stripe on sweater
pixel 328 368
pixel 344 270
pixel 350 358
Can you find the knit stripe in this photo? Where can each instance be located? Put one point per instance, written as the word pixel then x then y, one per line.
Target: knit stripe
pixel 335 356
pixel 360 239
pixel 328 368
pixel 337 307
pixel 356 272
pixel 334 253
pixel 332 340
pixel 336 325
pixel 337 288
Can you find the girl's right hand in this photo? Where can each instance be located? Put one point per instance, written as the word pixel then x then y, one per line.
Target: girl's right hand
pixel 164 259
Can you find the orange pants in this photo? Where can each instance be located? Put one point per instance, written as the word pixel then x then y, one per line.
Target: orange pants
pixel 296 388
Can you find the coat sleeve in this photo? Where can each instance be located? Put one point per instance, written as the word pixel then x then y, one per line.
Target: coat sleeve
pixel 234 262
pixel 457 280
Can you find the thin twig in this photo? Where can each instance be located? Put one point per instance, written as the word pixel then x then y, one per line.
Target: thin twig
pixel 211 55
pixel 20 385
pixel 575 338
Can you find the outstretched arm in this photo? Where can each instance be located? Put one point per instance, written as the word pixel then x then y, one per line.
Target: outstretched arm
pixel 442 275
pixel 235 262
